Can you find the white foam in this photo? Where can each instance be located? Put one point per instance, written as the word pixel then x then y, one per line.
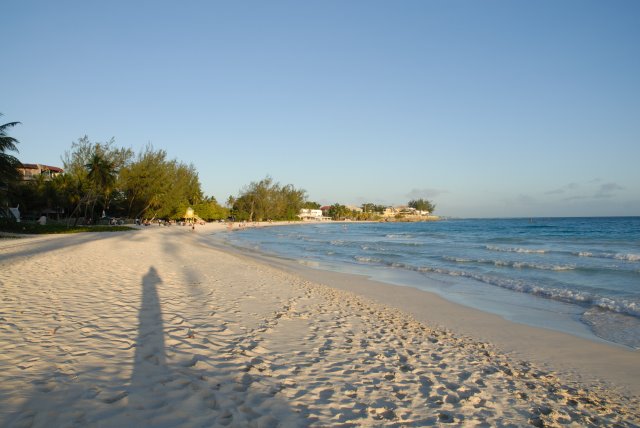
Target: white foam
pixel 629 257
pixel 516 249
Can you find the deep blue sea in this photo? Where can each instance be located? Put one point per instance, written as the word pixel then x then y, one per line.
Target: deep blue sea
pixel 579 275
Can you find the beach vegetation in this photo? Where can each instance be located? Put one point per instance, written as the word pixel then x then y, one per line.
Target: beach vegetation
pixel 209 209
pixel 268 200
pixel 8 162
pixel 422 205
pixel 342 212
pixel 102 182
pixel 92 172
pixel 339 212
pixel 373 208
pixel 309 205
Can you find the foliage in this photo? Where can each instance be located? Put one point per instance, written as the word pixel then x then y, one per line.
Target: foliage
pixel 93 173
pixel 311 205
pixel 373 208
pixel 266 200
pixel 100 177
pixel 155 187
pixel 422 205
pixel 342 212
pixel 35 196
pixel 144 184
pixel 209 210
pixel 8 163
pixel 339 212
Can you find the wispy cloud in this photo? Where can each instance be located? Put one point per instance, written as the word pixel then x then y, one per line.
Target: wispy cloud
pixel 607 190
pixel 592 189
pixel 576 198
pixel 425 193
pixel 564 189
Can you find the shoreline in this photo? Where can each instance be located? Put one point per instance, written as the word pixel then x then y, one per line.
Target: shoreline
pixel 159 327
pixel 514 306
pixel 591 360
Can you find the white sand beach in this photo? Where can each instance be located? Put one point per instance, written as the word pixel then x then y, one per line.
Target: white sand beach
pixel 157 328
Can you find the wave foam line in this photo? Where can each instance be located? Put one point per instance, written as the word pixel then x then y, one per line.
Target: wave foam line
pixel 629 257
pixel 622 306
pixel 515 265
pixel 516 249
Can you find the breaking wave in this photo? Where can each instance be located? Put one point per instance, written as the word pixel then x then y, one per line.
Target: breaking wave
pixel 615 256
pixel 582 298
pixel 512 264
pixel 515 250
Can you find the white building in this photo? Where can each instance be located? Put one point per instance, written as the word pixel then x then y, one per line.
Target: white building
pixel 404 210
pixel 309 214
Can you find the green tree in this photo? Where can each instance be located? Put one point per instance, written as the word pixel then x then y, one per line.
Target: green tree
pixel 422 205
pixel 69 192
pixel 94 167
pixel 145 182
pixel 154 187
pixel 373 208
pixel 209 209
pixel 102 176
pixel 231 200
pixel 339 212
pixel 182 191
pixel 252 202
pixel 311 205
pixel 8 163
pixel 268 200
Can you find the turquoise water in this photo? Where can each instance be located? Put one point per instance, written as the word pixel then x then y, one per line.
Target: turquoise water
pixel 580 275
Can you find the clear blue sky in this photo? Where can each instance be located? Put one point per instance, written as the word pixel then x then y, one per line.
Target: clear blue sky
pixel 488 108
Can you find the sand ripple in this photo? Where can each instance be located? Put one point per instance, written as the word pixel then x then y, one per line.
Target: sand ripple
pixel 153 328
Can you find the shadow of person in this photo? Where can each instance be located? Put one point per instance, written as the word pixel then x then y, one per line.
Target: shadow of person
pixel 84 394
pixel 150 370
pixel 188 383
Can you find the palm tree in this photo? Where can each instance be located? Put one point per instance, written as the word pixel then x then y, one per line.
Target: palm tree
pixel 8 163
pixel 102 175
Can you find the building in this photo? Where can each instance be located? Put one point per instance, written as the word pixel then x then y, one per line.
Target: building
pixel 309 214
pixel 31 171
pixel 404 210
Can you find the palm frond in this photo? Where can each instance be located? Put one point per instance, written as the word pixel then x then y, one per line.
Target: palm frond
pixel 8 144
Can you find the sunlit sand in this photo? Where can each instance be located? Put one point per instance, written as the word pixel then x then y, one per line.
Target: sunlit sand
pixel 157 328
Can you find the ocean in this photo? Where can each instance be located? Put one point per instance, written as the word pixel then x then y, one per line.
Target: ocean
pixel 577 275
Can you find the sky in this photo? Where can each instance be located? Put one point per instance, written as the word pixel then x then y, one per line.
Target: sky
pixel 486 108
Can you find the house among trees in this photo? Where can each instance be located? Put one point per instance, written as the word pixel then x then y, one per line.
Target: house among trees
pixel 31 171
pixel 310 214
pixel 404 210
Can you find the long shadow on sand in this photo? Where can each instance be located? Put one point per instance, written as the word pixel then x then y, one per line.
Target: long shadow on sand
pixel 58 398
pixel 158 393
pixel 39 245
pixel 149 362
